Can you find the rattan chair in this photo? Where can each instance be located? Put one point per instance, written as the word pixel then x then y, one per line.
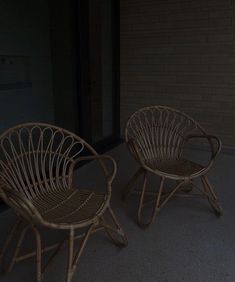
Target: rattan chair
pixel 37 163
pixel 156 137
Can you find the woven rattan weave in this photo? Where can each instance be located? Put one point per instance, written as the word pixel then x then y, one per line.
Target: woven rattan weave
pixel 37 163
pixel 156 137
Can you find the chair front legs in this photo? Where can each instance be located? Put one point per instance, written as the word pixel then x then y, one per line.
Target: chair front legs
pixel 114 231
pixel 73 258
pixel 160 199
pixel 70 255
pixel 16 257
pixel 156 203
pixel 38 253
pixel 211 196
pixel 8 241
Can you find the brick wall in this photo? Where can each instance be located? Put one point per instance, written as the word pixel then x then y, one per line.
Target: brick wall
pixel 180 53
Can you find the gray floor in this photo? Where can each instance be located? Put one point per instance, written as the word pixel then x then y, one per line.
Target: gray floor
pixel 186 243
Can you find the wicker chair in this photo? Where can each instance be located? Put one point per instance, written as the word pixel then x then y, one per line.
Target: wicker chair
pixel 156 137
pixel 37 163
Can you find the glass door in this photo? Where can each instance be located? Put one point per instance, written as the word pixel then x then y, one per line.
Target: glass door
pixel 99 72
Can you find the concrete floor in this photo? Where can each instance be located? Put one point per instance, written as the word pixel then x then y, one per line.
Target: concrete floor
pixel 186 243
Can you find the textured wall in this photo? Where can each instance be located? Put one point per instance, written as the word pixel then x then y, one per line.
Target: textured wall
pixel 181 54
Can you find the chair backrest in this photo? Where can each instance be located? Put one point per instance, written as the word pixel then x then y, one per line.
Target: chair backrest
pixel 160 132
pixel 36 158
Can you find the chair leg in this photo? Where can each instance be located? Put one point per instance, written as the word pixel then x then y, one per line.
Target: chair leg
pixel 73 258
pixel 53 255
pixel 211 196
pixel 17 249
pixel 38 250
pixel 116 230
pixel 8 240
pixel 171 194
pixel 38 254
pixel 130 184
pixel 156 204
pixel 70 255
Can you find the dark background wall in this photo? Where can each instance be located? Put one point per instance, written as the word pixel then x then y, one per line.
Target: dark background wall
pixel 37 63
pixel 180 53
pixel 25 63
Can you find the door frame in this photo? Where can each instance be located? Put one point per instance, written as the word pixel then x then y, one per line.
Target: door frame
pixel 82 69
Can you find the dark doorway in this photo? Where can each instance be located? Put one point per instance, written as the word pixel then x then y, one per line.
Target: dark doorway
pixel 98 71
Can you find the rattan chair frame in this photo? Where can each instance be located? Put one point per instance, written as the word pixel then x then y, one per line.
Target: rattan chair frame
pixel 29 171
pixel 161 133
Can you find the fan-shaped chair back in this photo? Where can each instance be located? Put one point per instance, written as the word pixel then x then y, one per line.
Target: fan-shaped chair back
pixel 159 132
pixel 38 158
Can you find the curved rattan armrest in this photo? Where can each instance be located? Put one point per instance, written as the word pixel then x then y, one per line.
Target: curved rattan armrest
pixel 109 175
pixel 20 204
pixel 215 149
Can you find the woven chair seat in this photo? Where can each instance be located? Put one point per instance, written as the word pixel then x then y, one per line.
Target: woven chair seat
pixel 71 206
pixel 180 167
